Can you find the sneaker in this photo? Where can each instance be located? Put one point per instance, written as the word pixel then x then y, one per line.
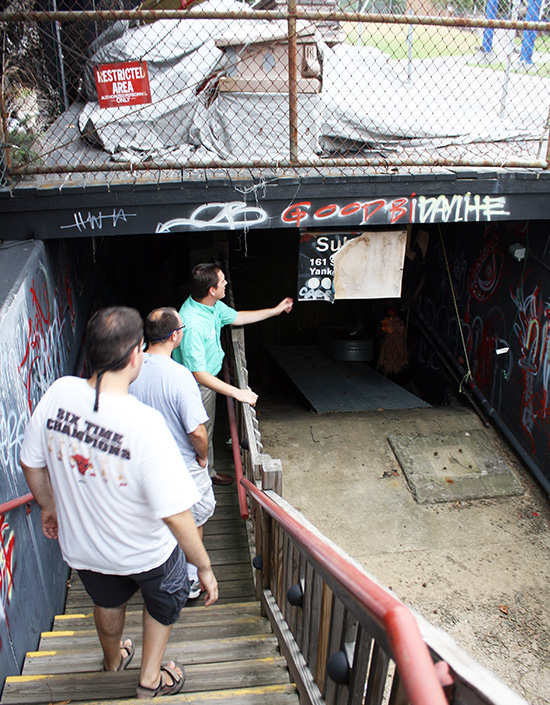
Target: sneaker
pixel 195 590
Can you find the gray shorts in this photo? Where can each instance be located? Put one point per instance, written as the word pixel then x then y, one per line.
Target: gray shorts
pixel 165 589
pixel 204 508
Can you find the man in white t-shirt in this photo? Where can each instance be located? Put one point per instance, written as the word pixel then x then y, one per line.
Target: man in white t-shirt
pixel 171 388
pixel 113 488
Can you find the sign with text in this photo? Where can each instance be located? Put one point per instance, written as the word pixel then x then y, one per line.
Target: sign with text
pixel 122 84
pixel 351 265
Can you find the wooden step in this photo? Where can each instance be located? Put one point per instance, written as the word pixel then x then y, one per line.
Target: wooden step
pixel 263 695
pixel 98 685
pixel 229 652
pixel 86 655
pixel 204 615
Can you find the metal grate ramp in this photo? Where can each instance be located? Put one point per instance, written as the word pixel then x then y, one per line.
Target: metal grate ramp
pixel 331 386
pixel 229 652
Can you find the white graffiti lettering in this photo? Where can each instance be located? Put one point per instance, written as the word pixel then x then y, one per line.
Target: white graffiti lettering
pixel 95 222
pixel 235 214
pixel 465 208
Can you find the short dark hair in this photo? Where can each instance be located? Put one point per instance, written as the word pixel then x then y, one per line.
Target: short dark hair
pixel 203 277
pixel 160 323
pixel 111 335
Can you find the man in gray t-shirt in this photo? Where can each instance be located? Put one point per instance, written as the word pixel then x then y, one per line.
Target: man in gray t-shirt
pixel 171 389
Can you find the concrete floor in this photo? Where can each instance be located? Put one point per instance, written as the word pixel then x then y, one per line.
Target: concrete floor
pixel 478 569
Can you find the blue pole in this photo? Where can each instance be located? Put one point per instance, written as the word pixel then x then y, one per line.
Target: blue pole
pixel 529 35
pixel 491 14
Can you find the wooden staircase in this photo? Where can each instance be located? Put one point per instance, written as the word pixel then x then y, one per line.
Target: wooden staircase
pixel 228 650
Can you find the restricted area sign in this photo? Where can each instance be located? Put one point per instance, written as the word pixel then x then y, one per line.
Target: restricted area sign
pixel 122 84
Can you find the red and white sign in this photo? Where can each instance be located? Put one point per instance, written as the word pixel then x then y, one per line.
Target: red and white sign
pixel 122 84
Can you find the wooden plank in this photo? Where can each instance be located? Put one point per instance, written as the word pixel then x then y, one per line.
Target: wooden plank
pixel 377 676
pixel 361 658
pixel 101 685
pixel 80 659
pixel 323 636
pixel 221 526
pixel 86 638
pixel 280 694
pixel 299 671
pixel 334 692
pixel 306 613
pixel 215 614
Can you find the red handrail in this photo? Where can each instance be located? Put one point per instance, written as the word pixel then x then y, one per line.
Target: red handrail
pixel 17 502
pixel 243 507
pixel 411 655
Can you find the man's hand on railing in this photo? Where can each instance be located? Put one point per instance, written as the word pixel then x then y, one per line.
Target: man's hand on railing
pixel 245 396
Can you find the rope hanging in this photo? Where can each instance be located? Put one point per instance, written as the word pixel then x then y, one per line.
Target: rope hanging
pixel 468 374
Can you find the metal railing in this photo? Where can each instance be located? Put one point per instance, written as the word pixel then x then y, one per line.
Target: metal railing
pixel 346 638
pixel 16 502
pixel 237 88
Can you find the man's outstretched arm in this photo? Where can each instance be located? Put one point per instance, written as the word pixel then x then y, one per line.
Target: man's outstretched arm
pixel 245 317
pixel 38 480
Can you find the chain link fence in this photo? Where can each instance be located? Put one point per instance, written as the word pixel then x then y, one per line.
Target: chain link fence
pixel 397 84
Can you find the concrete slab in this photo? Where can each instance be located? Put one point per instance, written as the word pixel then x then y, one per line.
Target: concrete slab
pixel 446 467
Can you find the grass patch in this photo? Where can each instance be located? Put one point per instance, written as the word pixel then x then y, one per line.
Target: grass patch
pixel 428 42
pixel 539 70
pixel 542 43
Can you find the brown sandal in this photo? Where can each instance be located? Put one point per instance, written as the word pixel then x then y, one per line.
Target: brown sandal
pixel 163 688
pixel 125 660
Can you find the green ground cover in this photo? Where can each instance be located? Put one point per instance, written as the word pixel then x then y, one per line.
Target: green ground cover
pixel 433 42
pixel 428 42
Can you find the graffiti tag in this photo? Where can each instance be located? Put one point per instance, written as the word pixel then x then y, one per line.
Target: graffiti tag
pixel 95 222
pixel 233 215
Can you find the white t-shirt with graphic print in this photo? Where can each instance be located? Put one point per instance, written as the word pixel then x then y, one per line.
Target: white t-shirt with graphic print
pixel 115 474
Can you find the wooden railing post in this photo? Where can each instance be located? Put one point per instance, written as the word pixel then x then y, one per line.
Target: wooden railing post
pixel 271 474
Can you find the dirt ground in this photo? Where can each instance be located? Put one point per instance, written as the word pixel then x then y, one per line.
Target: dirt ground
pixel 478 569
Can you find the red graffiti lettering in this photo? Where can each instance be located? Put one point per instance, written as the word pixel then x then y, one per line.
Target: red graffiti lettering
pixel 296 213
pixel 44 347
pixel 375 205
pixel 7 543
pixel 398 209
pixel 326 211
pixel 350 209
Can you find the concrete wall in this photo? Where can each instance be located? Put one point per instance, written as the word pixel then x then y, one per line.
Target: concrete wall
pixel 503 305
pixel 44 300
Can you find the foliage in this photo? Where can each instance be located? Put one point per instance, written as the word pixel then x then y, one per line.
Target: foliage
pixel 21 145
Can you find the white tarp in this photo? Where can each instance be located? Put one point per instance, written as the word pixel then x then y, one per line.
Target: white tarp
pixel 363 101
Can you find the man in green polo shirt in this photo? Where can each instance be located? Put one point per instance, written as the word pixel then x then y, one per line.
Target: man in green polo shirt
pixel 204 315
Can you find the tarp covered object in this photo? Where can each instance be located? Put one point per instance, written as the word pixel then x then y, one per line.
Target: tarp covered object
pixel 364 103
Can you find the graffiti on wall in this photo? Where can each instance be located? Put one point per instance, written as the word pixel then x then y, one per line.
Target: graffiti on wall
pixel 505 326
pixel 89 221
pixel 232 215
pixel 43 341
pixel 37 324
pixel 7 543
pixel 532 328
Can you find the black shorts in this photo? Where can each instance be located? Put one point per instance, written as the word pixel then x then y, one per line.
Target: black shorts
pixel 165 589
